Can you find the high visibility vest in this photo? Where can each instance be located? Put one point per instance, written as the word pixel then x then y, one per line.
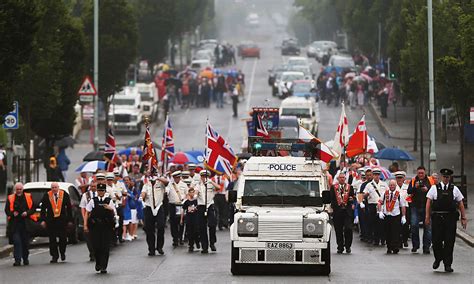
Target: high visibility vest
pixel 29 203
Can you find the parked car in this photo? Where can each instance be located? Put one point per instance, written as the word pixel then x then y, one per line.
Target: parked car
pixel 305 110
pixel 250 50
pixel 205 54
pixel 38 189
pixel 318 49
pixel 341 61
pixel 290 47
pixel 286 79
pixel 298 61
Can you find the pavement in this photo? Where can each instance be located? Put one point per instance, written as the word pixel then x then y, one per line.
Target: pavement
pixel 129 262
pixel 401 131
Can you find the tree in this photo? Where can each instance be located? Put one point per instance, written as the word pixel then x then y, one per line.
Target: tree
pixel 18 25
pixel 118 41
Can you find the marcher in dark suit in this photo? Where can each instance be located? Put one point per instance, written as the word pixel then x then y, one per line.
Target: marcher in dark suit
pixel 56 217
pixel 342 197
pixel 18 208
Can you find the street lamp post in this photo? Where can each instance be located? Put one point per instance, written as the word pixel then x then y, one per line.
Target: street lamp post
pixel 431 88
pixel 96 74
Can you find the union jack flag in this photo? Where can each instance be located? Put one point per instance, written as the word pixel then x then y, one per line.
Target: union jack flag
pixel 167 143
pixel 260 128
pixel 149 155
pixel 110 151
pixel 220 157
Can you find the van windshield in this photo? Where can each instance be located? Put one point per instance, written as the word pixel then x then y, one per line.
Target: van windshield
pixel 293 192
pixel 298 112
pixel 146 96
pixel 124 102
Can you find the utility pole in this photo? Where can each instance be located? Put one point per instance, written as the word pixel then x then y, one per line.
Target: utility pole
pixel 96 74
pixel 432 165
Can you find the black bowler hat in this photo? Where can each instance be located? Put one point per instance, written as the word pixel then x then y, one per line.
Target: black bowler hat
pixel 101 186
pixel 446 172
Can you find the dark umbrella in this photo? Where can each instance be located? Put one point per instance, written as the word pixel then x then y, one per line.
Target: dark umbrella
pixel 394 154
pixel 139 143
pixel 94 156
pixel 65 142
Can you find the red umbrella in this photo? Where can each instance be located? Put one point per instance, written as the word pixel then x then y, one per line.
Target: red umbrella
pixel 181 158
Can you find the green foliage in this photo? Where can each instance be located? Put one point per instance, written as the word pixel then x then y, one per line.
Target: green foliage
pixel 18 25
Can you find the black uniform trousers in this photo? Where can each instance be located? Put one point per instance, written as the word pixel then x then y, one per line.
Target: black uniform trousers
pixel 405 231
pixel 174 222
pixel 205 222
pixel 392 231
pixel 21 242
pixel 363 219
pixel 222 210
pixel 375 225
pixel 57 247
pixel 192 228
pixel 101 236
pixel 343 219
pixel 119 229
pixel 90 246
pixel 443 236
pixel 154 228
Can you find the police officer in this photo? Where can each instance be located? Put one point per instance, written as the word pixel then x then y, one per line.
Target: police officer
pixel 177 191
pixel 443 201
pixel 373 191
pixel 100 220
pixel 392 209
pixel 206 213
pixel 342 197
pixel 153 193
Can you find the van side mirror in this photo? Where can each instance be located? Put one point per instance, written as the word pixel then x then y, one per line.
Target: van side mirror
pixel 326 197
pixel 232 196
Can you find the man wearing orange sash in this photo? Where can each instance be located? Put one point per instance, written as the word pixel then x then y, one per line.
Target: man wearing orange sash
pixel 342 203
pixel 392 209
pixel 56 216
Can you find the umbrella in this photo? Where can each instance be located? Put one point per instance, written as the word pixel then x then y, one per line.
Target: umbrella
pixel 394 154
pixel 129 150
pixel 94 156
pixel 198 155
pixel 91 167
pixel 366 77
pixel 65 142
pixel 207 74
pixel 183 158
pixel 139 143
pixel 384 173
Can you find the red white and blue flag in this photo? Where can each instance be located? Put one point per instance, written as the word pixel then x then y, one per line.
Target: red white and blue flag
pixel 261 131
pixel 220 157
pixel 110 151
pixel 167 143
pixel 342 134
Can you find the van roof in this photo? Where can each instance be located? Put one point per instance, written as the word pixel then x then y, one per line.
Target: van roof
pixel 296 102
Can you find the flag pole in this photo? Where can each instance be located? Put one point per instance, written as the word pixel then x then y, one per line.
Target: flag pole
pixel 205 164
pixel 163 142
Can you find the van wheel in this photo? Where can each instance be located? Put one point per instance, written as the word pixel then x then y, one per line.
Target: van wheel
pixel 235 268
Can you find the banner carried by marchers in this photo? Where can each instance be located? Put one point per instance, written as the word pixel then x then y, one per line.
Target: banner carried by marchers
pixel 358 141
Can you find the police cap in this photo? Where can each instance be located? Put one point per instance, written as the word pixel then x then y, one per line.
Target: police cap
pixel 446 172
pixel 101 187
pixel 400 174
pixel 176 173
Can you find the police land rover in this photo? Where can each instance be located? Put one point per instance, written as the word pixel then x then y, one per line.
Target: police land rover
pixel 280 226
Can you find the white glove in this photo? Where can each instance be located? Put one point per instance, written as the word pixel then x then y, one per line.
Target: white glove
pixel 362 205
pixel 140 198
pixel 381 216
pixel 356 220
pixel 404 220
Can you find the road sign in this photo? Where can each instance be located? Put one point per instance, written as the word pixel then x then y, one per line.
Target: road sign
pixel 87 88
pixel 87 112
pixel 472 115
pixel 86 98
pixel 11 119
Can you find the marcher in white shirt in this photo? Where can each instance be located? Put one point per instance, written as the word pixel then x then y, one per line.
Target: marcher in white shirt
pixel 392 210
pixel 153 194
pixel 402 186
pixel 85 199
pixel 177 191
pixel 373 191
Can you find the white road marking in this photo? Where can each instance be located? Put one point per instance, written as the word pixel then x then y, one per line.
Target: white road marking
pixel 249 97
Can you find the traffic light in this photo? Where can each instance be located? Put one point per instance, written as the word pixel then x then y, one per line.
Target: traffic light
pixel 392 76
pixel 257 146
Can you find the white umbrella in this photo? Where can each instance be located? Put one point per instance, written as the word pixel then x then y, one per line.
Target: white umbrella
pixel 91 167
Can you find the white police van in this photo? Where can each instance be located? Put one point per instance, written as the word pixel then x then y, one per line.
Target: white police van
pixel 280 226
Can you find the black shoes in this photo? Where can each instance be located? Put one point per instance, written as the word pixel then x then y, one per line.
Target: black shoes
pixel 405 244
pixel 426 251
pixel 175 244
pixel 348 250
pixel 213 247
pixel 151 253
pixel 17 264
pixel 63 257
pixel 389 251
pixel 26 262
pixel 204 251
pixel 191 249
pixel 160 251
pixel 447 268
pixel 414 250
pixel 198 245
pixel 54 260
pixel 395 251
pixel 91 259
pixel 97 268
pixel 436 264
pixel 339 251
pixel 103 271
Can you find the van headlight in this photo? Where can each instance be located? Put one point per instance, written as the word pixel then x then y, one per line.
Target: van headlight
pixel 313 228
pixel 133 118
pixel 247 227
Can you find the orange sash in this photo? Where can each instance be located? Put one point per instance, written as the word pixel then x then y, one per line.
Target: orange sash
pixel 390 204
pixel 346 191
pixel 56 206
